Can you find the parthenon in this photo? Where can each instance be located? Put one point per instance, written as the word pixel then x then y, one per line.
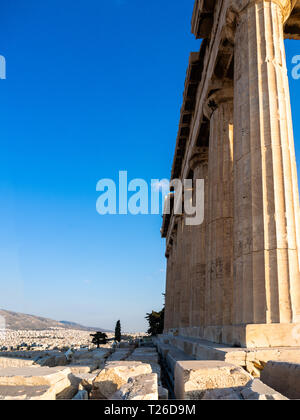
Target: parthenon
pixel 235 278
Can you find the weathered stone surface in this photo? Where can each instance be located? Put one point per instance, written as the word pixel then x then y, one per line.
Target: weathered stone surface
pixel 81 369
pixel 114 375
pixel 43 392
pixel 142 387
pixel 125 345
pixel 81 395
pixel 68 393
pixel 284 377
pixel 36 376
pixel 7 362
pixel 254 390
pixel 119 355
pixel 193 378
pixel 163 393
pixel 30 355
pixel 52 361
pixel 155 367
pixel 236 277
pixel 86 378
pixel 57 379
pixel 257 359
pixel 86 365
pixel 33 375
pixel 174 356
pixel 257 390
pixel 145 355
pixel 143 350
pixel 163 349
pixel 253 360
pixel 98 354
pixel 199 349
pixel 222 394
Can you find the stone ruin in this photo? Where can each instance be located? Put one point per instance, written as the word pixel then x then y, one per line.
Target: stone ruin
pixel 232 323
pixel 121 373
pixel 235 278
pixel 233 282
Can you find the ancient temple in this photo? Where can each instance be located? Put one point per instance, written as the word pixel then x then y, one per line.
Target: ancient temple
pixel 235 279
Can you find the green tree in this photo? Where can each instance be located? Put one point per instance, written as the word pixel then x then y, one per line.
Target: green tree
pixel 99 338
pixel 156 322
pixel 118 332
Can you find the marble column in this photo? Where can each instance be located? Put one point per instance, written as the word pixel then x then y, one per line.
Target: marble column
pixel 173 282
pixel 169 297
pixel 199 165
pixel 266 204
pixel 187 232
pixel 177 274
pixel 219 242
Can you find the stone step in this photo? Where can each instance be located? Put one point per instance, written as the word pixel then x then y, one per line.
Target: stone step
pixel 198 349
pixel 43 392
pixel 253 360
pixel 142 387
pixel 217 380
pixel 284 377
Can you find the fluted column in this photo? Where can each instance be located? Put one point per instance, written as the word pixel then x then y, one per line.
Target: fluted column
pixel 173 268
pixel 199 165
pixel 219 275
pixel 169 297
pixel 178 268
pixel 186 274
pixel 266 205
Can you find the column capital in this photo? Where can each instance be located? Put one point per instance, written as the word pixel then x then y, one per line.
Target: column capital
pixel 217 98
pixel 286 6
pixel 199 157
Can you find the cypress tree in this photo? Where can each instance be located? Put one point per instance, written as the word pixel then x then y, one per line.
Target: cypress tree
pixel 118 332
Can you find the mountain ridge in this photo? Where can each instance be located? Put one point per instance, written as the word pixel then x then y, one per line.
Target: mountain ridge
pixel 20 321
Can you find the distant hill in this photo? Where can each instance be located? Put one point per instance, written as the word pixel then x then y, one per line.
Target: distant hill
pixel 18 321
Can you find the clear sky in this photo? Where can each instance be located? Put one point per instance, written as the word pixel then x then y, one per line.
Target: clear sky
pixel 93 87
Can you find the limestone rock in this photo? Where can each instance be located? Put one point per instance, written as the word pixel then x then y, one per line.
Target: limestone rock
pixel 7 362
pixel 85 380
pixel 222 394
pixel 79 370
pixel 42 392
pixel 114 375
pixel 257 390
pixel 194 378
pixel 33 375
pixel 119 355
pixel 142 387
pixel 284 377
pixel 52 361
pixel 36 378
pixel 254 390
pixel 98 354
pixel 163 393
pixel 68 393
pixel 81 395
pixel 125 345
pixel 156 369
pixel 84 366
pixel 146 355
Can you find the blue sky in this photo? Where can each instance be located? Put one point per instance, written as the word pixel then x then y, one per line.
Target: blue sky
pixel 93 87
